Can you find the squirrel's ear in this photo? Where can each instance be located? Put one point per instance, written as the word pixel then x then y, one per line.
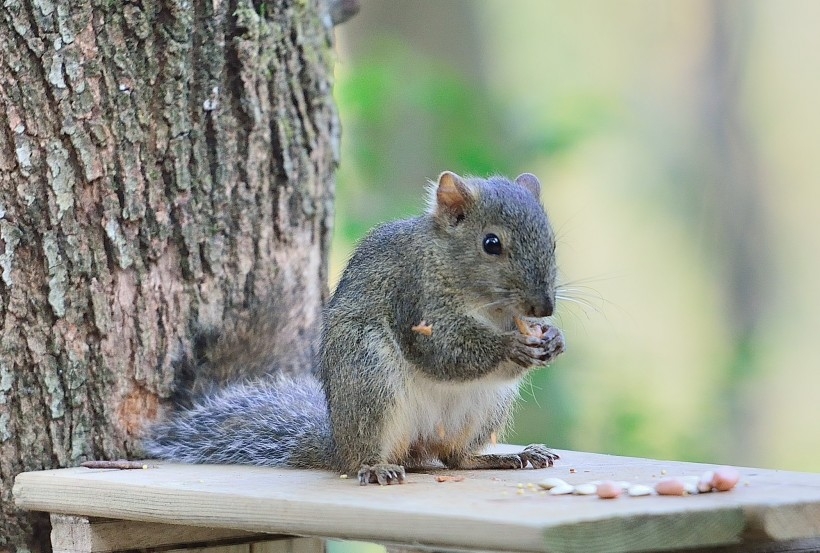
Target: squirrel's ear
pixel 530 182
pixel 453 196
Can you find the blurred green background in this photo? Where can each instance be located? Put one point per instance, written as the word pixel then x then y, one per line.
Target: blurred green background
pixel 678 145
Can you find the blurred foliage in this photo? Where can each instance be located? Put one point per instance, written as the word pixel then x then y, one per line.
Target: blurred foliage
pixel 397 104
pixel 675 142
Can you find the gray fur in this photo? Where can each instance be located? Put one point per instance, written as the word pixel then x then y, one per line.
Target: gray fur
pixel 433 268
pixel 278 421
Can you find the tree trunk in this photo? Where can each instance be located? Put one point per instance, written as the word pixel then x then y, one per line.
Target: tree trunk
pixel 164 165
pixel 735 201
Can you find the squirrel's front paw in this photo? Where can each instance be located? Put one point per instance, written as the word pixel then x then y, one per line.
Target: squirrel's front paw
pixel 537 348
pixel 382 473
pixel 538 455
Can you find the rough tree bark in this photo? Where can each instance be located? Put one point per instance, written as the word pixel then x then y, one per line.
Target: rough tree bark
pixel 163 164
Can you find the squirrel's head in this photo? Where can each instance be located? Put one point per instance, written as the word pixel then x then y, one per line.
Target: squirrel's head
pixel 499 237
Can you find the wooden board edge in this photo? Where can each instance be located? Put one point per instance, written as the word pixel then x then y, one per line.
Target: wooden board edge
pixel 648 532
pixel 79 534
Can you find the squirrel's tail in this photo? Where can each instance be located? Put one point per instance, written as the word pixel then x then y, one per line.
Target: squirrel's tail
pixel 253 344
pixel 275 421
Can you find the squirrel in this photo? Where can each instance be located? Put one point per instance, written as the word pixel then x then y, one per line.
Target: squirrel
pixel 423 346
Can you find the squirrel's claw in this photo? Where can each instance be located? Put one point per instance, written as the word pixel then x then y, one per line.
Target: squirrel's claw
pixel 538 455
pixel 382 473
pixel 533 351
pixel 553 343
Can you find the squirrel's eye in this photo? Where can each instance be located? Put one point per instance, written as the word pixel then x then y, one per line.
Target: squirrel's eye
pixel 492 244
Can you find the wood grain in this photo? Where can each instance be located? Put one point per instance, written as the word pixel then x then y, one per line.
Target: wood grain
pixel 487 511
pixel 76 534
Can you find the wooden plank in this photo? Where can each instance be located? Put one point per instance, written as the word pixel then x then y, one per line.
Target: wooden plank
pixel 485 511
pixel 237 548
pixel 293 545
pixel 78 534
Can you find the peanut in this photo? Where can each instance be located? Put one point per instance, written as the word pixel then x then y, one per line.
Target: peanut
pixel 725 478
pixel 608 490
pixel 670 486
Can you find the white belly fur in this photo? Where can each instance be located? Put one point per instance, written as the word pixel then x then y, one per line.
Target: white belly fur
pixel 430 413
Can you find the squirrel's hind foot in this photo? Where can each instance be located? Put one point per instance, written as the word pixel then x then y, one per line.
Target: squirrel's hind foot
pixel 539 456
pixel 382 474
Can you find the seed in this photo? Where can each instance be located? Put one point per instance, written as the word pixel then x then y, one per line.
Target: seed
pixel 639 490
pixel 608 490
pixel 586 489
pixel 562 489
pixel 549 483
pixel 670 486
pixel 725 478
pixel 705 482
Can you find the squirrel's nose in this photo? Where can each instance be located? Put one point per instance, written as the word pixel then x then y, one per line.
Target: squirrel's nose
pixel 543 308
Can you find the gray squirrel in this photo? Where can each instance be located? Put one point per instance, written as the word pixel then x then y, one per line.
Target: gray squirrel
pixel 432 327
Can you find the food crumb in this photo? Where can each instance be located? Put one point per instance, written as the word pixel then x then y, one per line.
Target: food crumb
pixel 343 476
pixel 528 329
pixel 423 328
pixel 449 478
pixel 572 471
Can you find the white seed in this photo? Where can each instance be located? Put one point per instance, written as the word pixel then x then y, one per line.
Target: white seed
pixel 691 488
pixel 563 489
pixel 586 489
pixel 705 482
pixel 550 483
pixel 638 490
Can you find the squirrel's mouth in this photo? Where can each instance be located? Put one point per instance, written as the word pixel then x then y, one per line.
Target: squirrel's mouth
pixel 545 307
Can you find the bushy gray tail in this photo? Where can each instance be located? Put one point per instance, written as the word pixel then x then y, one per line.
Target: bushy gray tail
pixel 253 344
pixel 274 421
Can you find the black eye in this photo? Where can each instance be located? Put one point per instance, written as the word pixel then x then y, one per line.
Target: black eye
pixel 492 244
